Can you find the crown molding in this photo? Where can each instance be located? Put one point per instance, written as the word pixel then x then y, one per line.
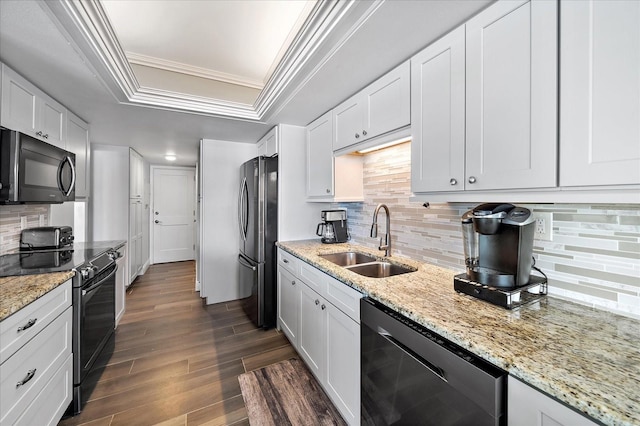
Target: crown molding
pixel 192 70
pixel 86 25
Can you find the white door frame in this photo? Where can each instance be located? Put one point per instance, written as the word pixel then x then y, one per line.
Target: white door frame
pixel 152 203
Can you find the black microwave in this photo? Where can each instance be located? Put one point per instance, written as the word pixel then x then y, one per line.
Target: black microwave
pixel 33 171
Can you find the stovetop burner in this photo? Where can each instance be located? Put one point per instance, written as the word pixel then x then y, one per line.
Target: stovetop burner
pixel 507 298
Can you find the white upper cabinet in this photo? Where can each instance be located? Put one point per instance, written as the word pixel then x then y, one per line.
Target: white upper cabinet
pixel 599 93
pixel 511 96
pixel 381 107
pixel 320 157
pixel 27 109
pixel 268 145
pixel 78 143
pixel 136 175
pixel 437 115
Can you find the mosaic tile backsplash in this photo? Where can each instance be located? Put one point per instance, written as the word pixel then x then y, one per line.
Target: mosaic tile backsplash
pixel 10 219
pixel 594 257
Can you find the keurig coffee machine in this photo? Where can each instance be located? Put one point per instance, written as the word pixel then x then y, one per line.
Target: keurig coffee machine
pixel 498 250
pixel 333 229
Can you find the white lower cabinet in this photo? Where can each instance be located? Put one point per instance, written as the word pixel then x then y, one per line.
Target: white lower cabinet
pixel 321 317
pixel 36 379
pixel 529 407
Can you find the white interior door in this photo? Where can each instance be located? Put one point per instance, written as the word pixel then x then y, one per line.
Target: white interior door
pixel 173 214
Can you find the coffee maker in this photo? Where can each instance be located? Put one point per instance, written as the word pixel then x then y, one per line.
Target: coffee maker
pixel 498 244
pixel 333 229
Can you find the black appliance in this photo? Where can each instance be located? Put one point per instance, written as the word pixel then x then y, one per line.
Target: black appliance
pixel 32 171
pixel 46 237
pixel 333 228
pixel 498 251
pixel 412 376
pixel 258 229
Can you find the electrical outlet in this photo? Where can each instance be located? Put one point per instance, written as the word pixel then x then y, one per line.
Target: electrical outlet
pixel 23 222
pixel 544 226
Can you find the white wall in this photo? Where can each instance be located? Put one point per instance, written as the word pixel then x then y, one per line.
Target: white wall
pixel 220 178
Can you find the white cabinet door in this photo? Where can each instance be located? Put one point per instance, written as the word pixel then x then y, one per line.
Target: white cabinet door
pixel 347 122
pixel 136 174
pixel 529 407
pixel 19 102
pixel 312 333
pixel 135 238
pixel 78 143
pixel 438 115
pixel 387 103
pixel 343 363
pixel 121 283
pixel 288 304
pixel 53 120
pixel 319 137
pixel 511 98
pixel 599 93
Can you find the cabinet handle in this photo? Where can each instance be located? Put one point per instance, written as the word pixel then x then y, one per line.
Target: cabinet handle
pixel 323 307
pixel 285 260
pixel 28 377
pixel 364 133
pixel 317 301
pixel 453 181
pixel 39 133
pixel 29 324
pixel 357 135
pixel 472 179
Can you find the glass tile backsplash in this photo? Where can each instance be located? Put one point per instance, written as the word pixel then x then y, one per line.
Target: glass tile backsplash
pixel 594 257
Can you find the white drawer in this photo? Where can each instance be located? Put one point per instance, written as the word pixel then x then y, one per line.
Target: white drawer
pixel 51 403
pixel 288 261
pixel 313 278
pixel 42 355
pixel 39 313
pixel 344 298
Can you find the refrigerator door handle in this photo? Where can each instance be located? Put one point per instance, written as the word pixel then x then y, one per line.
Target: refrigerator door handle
pixel 241 218
pixel 244 263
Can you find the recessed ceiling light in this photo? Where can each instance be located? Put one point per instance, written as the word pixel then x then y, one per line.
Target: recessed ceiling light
pixel 170 157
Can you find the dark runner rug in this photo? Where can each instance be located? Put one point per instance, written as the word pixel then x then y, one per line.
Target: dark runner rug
pixel 286 393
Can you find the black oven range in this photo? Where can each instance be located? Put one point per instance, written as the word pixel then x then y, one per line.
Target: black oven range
pixel 93 301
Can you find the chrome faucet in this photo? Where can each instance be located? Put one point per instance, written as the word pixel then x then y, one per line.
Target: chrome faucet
pixel 385 243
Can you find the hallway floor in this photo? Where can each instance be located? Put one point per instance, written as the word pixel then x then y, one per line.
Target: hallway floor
pixel 177 360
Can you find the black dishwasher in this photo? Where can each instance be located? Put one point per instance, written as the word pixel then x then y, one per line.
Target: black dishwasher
pixel 412 376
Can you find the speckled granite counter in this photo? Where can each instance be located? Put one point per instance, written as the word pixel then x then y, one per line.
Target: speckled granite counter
pixel 18 292
pixel 587 358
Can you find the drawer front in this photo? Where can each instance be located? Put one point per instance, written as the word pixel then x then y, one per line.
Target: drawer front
pixel 288 261
pixel 344 298
pixel 51 403
pixel 42 356
pixel 313 278
pixel 17 329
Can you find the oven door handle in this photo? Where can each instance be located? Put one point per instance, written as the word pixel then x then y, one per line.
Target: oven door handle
pixel 426 364
pixel 99 283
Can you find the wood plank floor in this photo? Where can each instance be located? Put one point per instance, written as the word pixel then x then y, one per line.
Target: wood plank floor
pixel 177 360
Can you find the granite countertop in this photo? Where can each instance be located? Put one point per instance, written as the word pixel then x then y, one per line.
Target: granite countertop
pixel 588 359
pixel 18 292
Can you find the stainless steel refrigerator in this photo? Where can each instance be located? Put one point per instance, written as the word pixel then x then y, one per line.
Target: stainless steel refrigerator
pixel 258 232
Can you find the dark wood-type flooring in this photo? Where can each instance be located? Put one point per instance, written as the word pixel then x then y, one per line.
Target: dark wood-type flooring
pixel 177 360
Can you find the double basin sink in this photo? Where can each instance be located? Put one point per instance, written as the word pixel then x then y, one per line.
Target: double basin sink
pixel 366 265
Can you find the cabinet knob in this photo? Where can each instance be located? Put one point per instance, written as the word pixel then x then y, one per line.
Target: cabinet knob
pixel 453 181
pixel 472 179
pixel 293 282
pixel 317 302
pixel 328 191
pixel 357 135
pixel 38 133
pixel 285 260
pixel 323 307
pixel 156 221
pixel 364 133
pixel 46 136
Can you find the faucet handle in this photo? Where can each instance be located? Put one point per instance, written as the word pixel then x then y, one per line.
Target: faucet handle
pixel 374 230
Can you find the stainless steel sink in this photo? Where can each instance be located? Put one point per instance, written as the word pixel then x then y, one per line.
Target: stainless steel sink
pixel 379 269
pixel 348 258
